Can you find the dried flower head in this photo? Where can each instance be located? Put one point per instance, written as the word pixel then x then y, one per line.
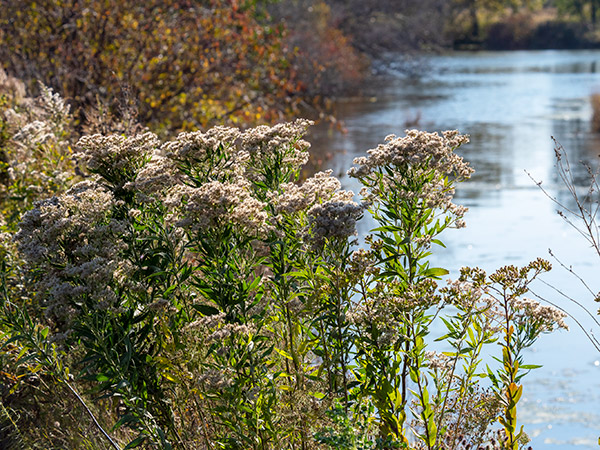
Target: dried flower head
pixel 116 158
pixel 417 150
pixel 543 317
pixel 333 220
pixel 215 204
pixel 420 169
pixel 280 145
pixel 294 198
pixel 200 146
pixel 438 361
pixel 78 246
pixel 58 112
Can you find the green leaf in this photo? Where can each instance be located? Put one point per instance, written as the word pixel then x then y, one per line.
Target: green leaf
pixel 435 272
pixel 438 242
pixel 317 395
pixel 530 366
pixel 206 310
pixel 126 419
pixel 135 443
pixel 284 354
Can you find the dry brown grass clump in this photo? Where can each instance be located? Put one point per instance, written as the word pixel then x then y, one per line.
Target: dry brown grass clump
pixel 595 101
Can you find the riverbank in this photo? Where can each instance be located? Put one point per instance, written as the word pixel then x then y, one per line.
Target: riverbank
pixel 545 29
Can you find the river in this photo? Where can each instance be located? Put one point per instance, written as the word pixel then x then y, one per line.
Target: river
pixel 511 104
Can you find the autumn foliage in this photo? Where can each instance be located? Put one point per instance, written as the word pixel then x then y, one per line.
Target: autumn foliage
pixel 190 63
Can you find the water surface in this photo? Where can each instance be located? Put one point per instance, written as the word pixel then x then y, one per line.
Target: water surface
pixel 511 104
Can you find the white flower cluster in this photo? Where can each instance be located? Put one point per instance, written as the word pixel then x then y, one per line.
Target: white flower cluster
pixel 394 166
pixel 230 329
pixel 156 177
pixel 222 153
pixel 36 156
pixel 34 133
pixel 210 155
pixel 294 198
pixel 205 178
pixel 465 295
pixel 416 149
pixel 216 203
pixel 545 317
pixel 264 140
pixel 363 263
pixel 438 361
pixel 77 244
pixel 199 146
pixel 55 107
pixel 215 328
pixel 389 304
pixel 6 244
pixel 264 144
pixel 207 322
pixel 115 157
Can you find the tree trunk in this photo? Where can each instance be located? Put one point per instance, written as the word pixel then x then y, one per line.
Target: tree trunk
pixel 474 21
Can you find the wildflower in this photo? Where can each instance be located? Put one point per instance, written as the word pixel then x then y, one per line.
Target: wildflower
pixel 215 204
pixel 200 146
pixel 294 198
pixel 363 262
pixel 36 132
pixel 464 294
pixel 226 330
pixel 438 361
pixel 420 168
pixel 335 219
pixel 417 149
pixel 280 145
pixel 116 158
pixel 75 242
pixel 264 139
pixel 55 107
pixel 544 317
pixel 158 175
pixel 207 322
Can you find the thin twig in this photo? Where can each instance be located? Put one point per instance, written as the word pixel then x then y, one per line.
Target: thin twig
pixel 570 270
pixel 589 335
pixel 571 299
pixel 76 394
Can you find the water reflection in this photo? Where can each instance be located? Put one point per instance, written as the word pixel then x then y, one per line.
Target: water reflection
pixel 511 104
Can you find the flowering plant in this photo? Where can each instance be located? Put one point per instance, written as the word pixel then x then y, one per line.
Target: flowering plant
pixel 214 300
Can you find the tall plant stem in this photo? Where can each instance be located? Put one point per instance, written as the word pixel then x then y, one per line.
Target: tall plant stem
pixel 341 339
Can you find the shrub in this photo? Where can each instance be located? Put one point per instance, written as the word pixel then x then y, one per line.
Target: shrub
pixel 325 60
pixel 512 33
pixel 190 64
pixel 210 299
pixel 35 148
